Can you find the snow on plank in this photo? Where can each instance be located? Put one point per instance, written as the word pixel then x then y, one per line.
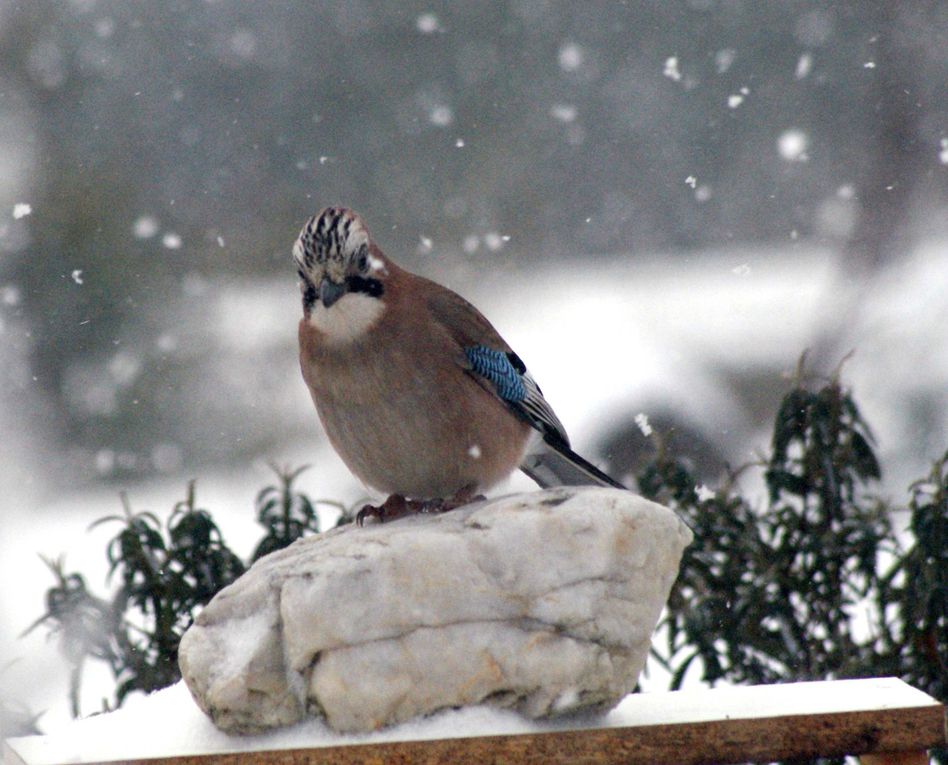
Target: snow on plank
pixel 725 725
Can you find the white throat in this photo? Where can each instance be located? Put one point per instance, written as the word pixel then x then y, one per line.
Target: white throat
pixel 348 318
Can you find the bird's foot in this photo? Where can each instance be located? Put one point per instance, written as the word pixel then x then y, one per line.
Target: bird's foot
pixel 398 506
pixel 393 508
pixel 463 496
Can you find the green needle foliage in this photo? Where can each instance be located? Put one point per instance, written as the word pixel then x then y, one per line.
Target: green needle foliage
pixel 815 584
pixel 918 586
pixel 767 595
pixel 812 582
pixel 286 514
pixel 165 578
pixel 85 625
pixel 167 572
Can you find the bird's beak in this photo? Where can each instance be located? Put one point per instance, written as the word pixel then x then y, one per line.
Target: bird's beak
pixel 330 291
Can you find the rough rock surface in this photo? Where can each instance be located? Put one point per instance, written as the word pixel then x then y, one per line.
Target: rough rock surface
pixel 544 602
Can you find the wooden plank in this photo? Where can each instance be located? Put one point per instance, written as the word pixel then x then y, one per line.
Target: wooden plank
pixel 730 725
pixel 733 741
pixel 895 758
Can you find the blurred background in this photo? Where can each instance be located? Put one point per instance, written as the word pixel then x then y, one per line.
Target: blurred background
pixel 661 205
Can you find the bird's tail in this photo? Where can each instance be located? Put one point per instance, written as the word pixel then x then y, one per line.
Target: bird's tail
pixel 555 464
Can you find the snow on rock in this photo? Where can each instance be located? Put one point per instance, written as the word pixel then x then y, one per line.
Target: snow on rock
pixel 542 602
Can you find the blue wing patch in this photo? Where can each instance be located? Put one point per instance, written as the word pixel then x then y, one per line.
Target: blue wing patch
pixel 497 367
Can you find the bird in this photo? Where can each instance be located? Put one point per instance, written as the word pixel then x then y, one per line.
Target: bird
pixel 416 390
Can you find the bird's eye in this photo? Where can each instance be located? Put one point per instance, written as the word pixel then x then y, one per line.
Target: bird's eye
pixel 363 263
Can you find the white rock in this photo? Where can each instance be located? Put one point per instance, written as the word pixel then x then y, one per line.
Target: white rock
pixel 544 602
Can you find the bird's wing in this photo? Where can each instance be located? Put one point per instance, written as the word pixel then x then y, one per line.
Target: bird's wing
pixel 486 356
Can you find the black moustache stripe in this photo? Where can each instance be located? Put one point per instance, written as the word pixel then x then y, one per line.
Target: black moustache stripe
pixel 310 296
pixel 365 286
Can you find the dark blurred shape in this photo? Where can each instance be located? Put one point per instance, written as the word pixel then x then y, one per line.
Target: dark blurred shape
pixel 627 450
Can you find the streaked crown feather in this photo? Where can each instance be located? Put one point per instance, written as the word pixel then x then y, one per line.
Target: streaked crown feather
pixel 329 242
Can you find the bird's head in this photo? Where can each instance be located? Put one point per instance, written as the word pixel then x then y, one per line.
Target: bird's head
pixel 335 258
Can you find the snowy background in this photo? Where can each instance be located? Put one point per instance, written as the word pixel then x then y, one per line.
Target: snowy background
pixel 660 205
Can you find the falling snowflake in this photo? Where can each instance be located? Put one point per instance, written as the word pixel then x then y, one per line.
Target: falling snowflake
pixel 220 241
pixel 105 461
pixel 743 269
pixel 691 181
pixel 459 143
pixel 641 419
pixel 494 241
pixel 470 244
pixel 145 227
pixel 671 70
pixel 571 57
pixel 792 145
pixel 425 244
pixel 124 368
pixel 442 116
pixel 943 152
pixel 724 58
pixel 167 343
pixel 243 44
pixel 171 241
pixel 563 112
pixel 21 210
pixel 427 23
pixel 10 294
pixel 704 493
pixel 804 65
pixel 736 99
pixel 474 452
pixel 104 27
pixel 77 275
pixel 869 65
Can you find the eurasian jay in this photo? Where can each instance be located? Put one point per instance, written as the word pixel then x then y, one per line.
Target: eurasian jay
pixel 417 392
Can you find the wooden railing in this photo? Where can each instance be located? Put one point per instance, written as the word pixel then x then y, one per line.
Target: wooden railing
pixel 882 720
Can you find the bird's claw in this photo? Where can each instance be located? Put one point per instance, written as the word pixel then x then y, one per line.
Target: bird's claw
pixel 398 506
pixel 463 496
